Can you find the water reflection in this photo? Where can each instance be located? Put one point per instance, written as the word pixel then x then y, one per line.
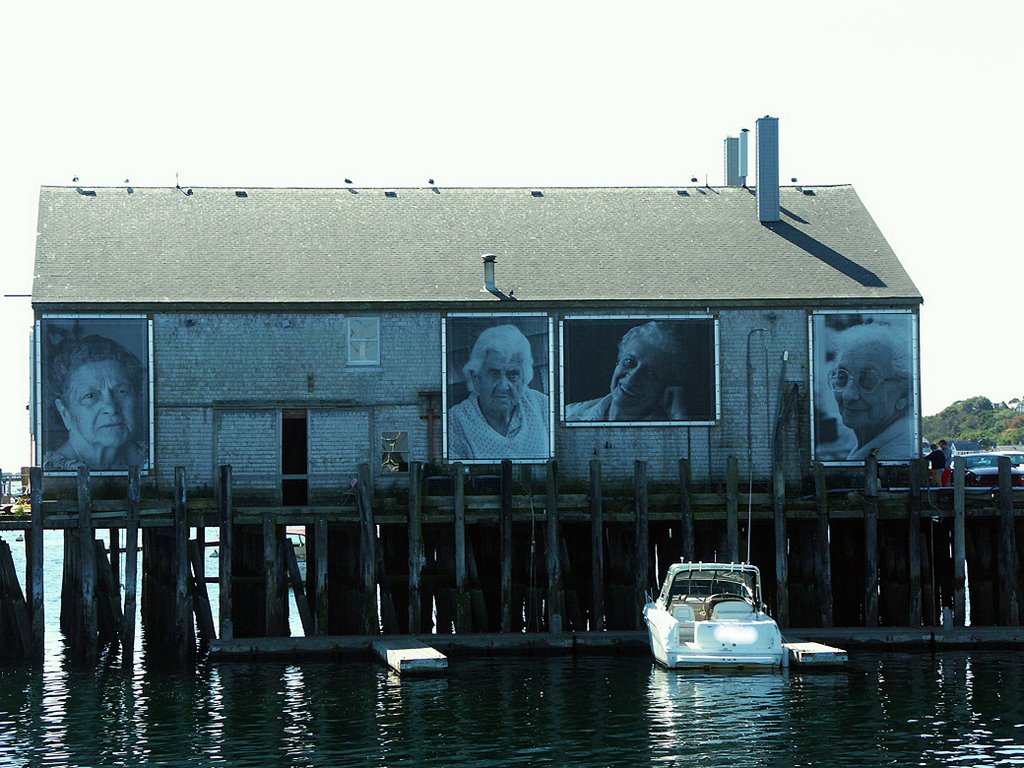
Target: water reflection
pixel 901 709
pixel 953 709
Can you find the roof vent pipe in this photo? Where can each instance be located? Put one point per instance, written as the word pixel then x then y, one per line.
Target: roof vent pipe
pixel 768 169
pixel 489 286
pixel 743 156
pixel 732 161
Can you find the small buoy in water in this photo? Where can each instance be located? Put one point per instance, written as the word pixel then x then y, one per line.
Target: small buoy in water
pixel 20 538
pixel 215 553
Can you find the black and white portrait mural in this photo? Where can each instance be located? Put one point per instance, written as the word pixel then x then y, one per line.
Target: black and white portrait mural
pixel 93 393
pixel 497 379
pixel 865 394
pixel 639 370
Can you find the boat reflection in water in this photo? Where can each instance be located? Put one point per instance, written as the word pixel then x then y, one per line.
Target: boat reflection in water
pixel 706 715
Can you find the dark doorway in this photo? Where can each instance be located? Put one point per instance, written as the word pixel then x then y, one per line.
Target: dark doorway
pixel 294 458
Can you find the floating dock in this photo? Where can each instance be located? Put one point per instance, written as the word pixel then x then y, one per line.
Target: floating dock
pixel 815 654
pixel 407 655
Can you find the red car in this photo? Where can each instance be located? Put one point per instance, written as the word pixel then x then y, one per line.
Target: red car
pixel 981 470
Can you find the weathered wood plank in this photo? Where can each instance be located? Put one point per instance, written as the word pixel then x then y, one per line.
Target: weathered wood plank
pixel 368 552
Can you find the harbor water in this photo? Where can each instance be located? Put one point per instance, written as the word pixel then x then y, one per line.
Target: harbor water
pixel 959 709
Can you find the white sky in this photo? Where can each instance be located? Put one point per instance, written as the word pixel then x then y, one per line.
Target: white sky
pixel 914 102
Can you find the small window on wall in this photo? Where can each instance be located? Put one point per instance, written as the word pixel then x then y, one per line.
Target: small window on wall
pixel 394 451
pixel 364 341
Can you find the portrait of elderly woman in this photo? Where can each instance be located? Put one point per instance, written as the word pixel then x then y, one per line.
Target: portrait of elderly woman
pixel 502 416
pixel 867 377
pixel 96 387
pixel 661 370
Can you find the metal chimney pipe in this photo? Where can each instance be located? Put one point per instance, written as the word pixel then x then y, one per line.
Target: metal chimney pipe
pixel 768 169
pixel 732 162
pixel 489 286
pixel 743 156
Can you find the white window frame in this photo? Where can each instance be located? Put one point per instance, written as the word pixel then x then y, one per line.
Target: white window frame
pixel 349 341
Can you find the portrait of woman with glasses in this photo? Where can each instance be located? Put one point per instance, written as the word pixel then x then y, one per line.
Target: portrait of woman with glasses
pixel 868 376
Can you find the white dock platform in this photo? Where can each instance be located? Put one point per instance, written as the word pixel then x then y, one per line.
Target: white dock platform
pixel 408 656
pixel 811 654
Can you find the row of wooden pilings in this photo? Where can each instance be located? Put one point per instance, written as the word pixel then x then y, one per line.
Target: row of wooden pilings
pixel 559 562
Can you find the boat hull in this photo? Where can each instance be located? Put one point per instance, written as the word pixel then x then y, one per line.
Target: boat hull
pixel 754 643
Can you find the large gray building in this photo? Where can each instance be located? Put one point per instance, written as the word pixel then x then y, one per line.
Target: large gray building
pixel 296 333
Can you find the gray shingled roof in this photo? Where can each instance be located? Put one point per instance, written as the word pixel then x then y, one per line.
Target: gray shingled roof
pixel 159 245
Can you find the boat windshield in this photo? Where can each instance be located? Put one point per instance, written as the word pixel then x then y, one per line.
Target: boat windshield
pixel 703 583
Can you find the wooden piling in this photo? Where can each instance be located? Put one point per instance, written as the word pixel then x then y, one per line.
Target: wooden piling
pixel 918 473
pixel 1009 608
pixel 131 567
pixel 596 547
pixel 823 550
pixel 685 511
pixel 89 630
pixel 200 597
pixel 642 542
pixel 368 552
pixel 415 547
pixel 274 602
pixel 227 526
pixel 462 602
pixel 108 598
pixel 12 602
pixel 870 504
pixel 555 597
pixel 505 527
pixel 184 634
pixel 959 547
pixel 781 557
pixel 732 496
pixel 36 592
pixel 320 612
pixel 298 590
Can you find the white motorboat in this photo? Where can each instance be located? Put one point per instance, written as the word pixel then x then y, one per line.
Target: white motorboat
pixel 711 615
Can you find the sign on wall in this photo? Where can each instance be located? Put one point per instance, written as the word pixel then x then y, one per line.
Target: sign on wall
pixel 497 387
pixel 639 370
pixel 94 390
pixel 864 386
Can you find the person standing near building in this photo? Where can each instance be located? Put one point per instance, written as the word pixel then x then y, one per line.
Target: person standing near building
pixel 947 471
pixel 936 463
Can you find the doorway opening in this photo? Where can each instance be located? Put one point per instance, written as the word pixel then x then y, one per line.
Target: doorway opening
pixel 294 458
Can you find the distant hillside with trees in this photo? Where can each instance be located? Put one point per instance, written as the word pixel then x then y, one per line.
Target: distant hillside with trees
pixel 978 419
